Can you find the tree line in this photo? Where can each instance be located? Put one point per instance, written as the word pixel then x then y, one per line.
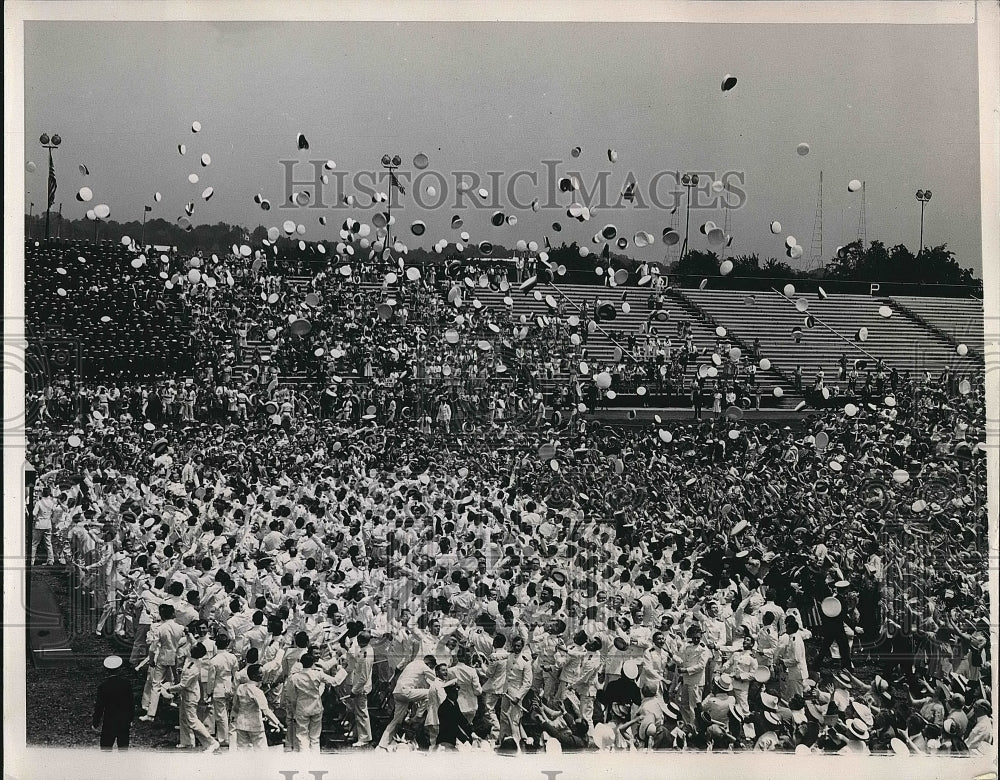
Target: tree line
pixel 854 263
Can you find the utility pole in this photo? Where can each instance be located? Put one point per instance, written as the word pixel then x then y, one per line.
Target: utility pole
pixel 690 181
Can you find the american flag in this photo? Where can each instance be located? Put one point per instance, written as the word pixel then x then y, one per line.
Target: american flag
pixel 52 183
pixel 395 182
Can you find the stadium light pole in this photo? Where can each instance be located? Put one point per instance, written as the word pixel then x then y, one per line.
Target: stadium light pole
pixel 923 196
pixel 50 144
pixel 391 164
pixel 690 181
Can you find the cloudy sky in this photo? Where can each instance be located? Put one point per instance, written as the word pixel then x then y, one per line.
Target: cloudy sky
pixel 895 106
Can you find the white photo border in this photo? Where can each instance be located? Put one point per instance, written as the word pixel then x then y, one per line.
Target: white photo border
pixel 28 762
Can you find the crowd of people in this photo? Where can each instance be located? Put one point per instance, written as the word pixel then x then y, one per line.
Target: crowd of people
pixel 239 324
pixel 103 311
pixel 431 542
pixel 521 587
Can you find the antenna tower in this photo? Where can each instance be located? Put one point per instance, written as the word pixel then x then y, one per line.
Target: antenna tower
pixel 674 252
pixel 816 249
pixel 725 230
pixel 863 220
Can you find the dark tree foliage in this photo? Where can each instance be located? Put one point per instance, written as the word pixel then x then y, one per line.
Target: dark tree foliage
pixel 853 263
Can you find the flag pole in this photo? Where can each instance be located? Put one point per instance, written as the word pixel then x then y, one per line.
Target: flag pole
pixel 48 208
pixel 142 233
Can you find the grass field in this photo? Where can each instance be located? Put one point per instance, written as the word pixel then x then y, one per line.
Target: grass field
pixel 60 699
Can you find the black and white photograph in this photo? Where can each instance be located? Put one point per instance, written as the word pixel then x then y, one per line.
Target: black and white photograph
pixel 442 386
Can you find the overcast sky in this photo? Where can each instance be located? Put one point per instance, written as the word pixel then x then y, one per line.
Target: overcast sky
pixel 895 106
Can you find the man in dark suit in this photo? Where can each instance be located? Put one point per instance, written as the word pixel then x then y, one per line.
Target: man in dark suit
pixel 696 399
pixel 115 706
